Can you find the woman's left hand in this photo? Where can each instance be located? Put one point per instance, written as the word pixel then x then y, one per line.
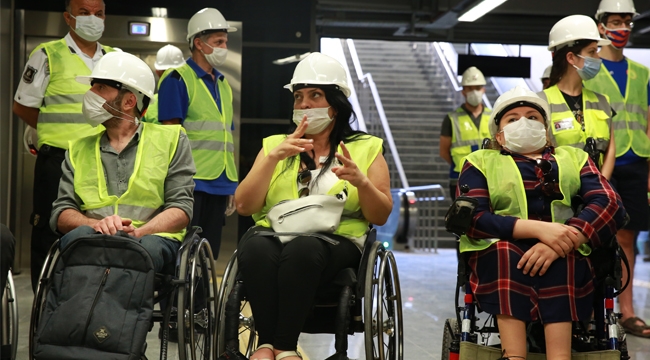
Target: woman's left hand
pixel 537 259
pixel 349 171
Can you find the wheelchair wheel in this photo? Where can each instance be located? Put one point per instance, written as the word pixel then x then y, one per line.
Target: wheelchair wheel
pixel 448 336
pixel 10 318
pixel 383 327
pixel 41 293
pixel 247 337
pixel 196 303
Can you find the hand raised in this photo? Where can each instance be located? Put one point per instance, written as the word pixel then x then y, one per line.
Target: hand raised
pixel 294 143
pixel 349 170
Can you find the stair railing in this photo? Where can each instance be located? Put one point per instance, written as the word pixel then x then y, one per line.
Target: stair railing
pixel 380 128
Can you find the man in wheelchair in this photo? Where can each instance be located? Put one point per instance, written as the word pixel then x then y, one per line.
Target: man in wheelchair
pixel 133 177
pixel 528 253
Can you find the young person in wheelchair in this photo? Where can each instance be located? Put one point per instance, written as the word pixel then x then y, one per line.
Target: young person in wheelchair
pixel 324 155
pixel 133 177
pixel 527 251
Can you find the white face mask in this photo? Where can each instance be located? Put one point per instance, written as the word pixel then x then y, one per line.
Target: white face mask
pixel 474 97
pixel 95 113
pixel 218 56
pixel 89 27
pixel 525 136
pixel 317 119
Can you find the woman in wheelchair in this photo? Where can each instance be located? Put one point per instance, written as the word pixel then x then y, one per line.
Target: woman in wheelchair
pixel 526 249
pixel 324 155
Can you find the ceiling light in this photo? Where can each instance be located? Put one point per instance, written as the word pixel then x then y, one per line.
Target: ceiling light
pixel 160 12
pixel 479 10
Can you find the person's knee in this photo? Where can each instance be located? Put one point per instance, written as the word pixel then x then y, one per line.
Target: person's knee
pixel 83 230
pixel 257 248
pixel 157 249
pixel 306 250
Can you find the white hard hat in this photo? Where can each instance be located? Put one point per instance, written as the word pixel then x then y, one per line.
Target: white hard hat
pixel 547 72
pixel 169 56
pixel 616 7
pixel 207 19
pixel 320 69
pixel 517 95
pixel 126 69
pixel 473 77
pixel 573 28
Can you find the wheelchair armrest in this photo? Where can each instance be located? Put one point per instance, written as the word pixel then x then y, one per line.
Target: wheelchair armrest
pixel 194 231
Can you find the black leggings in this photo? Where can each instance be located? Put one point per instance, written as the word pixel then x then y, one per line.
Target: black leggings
pixel 282 280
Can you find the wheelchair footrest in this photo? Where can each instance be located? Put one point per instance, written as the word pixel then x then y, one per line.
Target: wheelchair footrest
pixel 471 351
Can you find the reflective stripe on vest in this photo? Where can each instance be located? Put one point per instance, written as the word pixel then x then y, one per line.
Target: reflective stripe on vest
pixel 145 195
pixel 631 120
pixel 464 134
pixel 208 129
pixel 567 131
pixel 508 195
pixel 60 119
pixel 284 184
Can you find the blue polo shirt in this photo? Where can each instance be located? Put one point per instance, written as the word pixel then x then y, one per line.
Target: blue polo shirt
pixel 173 102
pixel 618 70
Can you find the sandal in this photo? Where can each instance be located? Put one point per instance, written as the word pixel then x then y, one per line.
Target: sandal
pixel 286 354
pixel 631 327
pixel 264 346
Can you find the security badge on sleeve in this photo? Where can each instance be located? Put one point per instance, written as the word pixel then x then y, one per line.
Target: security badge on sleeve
pixel 28 75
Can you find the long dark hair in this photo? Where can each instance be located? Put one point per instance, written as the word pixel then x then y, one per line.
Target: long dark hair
pixel 560 64
pixel 342 130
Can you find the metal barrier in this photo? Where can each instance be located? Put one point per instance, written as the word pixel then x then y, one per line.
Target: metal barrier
pixel 429 223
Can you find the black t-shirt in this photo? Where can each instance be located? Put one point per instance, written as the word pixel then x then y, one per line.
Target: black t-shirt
pixel 446 129
pixel 575 104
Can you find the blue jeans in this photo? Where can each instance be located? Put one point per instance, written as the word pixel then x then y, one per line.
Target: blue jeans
pixel 162 250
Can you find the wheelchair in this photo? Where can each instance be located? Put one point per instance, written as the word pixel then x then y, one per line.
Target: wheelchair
pixel 9 320
pixel 186 296
pixel 601 338
pixel 364 300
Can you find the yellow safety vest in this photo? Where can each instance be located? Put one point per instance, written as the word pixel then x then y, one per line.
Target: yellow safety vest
pixel 60 119
pixel 208 129
pixel 145 195
pixel 284 184
pixel 508 195
pixel 567 131
pixel 631 121
pixel 151 116
pixel 464 134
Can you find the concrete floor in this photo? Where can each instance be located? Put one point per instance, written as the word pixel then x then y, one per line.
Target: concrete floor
pixel 427 282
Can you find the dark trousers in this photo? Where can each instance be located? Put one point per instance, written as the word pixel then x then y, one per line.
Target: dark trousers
pixel 209 214
pixel 47 174
pixel 282 280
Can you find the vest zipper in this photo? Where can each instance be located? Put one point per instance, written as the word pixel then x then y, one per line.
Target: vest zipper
pixel 92 307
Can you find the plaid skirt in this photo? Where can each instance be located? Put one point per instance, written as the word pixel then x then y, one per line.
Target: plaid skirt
pixel 564 293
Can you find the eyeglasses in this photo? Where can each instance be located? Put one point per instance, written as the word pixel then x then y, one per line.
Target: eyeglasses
pixel 548 183
pixel 304 178
pixel 617 24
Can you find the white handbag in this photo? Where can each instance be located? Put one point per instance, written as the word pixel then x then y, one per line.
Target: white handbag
pixel 307 215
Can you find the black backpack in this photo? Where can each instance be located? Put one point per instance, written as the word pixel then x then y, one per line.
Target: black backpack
pixel 99 302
